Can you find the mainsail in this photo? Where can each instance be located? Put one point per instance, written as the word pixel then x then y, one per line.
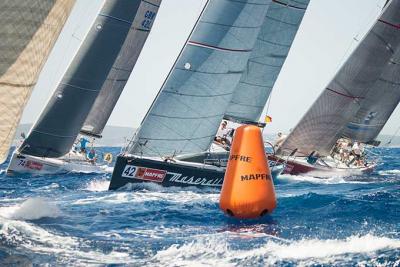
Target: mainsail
pixel 269 54
pixel 185 116
pixel 59 124
pixel 377 106
pixel 28 31
pixel 327 118
pixel 121 70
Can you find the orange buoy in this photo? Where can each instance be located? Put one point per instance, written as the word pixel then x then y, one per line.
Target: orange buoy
pixel 248 190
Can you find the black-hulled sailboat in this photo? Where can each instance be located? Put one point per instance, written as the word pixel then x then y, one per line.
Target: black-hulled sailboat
pixel 172 145
pixel 354 107
pixel 88 91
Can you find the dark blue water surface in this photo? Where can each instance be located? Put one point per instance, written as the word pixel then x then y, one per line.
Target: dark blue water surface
pixel 73 220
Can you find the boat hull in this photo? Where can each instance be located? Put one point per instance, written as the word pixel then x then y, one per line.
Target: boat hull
pixel 26 164
pixel 131 169
pixel 299 167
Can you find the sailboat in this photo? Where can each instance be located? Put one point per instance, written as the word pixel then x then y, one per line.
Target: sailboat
pixel 354 106
pixel 171 146
pixel 28 31
pixel 81 101
pixel 266 61
pixel 269 54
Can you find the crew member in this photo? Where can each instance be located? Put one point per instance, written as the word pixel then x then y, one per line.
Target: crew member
pixel 83 142
pixel 91 156
pixel 279 141
pixel 223 134
pixel 357 152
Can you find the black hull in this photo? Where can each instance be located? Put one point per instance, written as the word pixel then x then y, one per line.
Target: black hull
pixel 138 170
pixel 163 173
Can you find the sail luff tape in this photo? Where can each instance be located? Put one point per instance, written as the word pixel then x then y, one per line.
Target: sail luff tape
pixel 248 189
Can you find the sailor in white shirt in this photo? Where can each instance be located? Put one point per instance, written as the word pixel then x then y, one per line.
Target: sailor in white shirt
pixel 280 140
pixel 223 134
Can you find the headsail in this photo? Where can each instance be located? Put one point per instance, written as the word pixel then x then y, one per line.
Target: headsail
pixel 325 121
pixel 121 70
pixel 28 31
pixel 269 54
pixel 185 116
pixel 377 106
pixel 59 124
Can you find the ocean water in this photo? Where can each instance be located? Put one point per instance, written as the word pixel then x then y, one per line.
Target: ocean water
pixel 72 220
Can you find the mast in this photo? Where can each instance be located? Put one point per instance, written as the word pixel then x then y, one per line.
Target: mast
pixel 121 70
pixel 59 124
pixel 185 116
pixel 28 32
pixel 325 122
pixel 272 47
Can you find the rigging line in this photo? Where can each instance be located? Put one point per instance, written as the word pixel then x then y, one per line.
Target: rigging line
pixel 355 38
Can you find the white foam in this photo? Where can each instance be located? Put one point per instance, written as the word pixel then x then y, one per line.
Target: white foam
pixel 216 251
pixel 76 251
pixel 108 169
pixel 316 180
pixel 98 185
pixel 389 172
pixel 315 248
pixel 144 196
pixel 31 209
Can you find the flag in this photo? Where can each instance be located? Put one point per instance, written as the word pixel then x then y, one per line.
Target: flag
pixel 268 119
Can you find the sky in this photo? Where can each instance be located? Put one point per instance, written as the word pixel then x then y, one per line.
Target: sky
pixel 328 34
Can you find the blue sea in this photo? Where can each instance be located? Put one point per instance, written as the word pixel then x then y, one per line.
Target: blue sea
pixel 72 220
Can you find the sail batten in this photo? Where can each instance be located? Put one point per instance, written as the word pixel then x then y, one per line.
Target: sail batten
pixel 266 60
pixel 353 93
pixel 64 115
pixel 377 106
pixel 198 90
pixel 28 31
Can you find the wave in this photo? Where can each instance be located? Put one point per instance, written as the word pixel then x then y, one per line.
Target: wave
pixel 316 180
pixel 29 238
pixel 97 185
pixel 389 172
pixel 218 251
pixel 31 209
pixel 148 193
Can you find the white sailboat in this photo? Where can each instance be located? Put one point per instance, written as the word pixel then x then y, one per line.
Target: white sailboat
pixel 354 106
pixel 86 95
pixel 28 31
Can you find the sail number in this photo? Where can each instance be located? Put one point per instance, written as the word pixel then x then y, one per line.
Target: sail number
pixel 129 171
pixel 149 16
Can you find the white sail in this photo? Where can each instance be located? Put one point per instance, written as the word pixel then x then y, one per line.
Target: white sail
pixel 28 31
pixel 269 54
pixel 325 122
pixel 185 116
pixel 377 106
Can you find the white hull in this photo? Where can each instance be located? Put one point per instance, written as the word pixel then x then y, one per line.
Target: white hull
pixel 21 164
